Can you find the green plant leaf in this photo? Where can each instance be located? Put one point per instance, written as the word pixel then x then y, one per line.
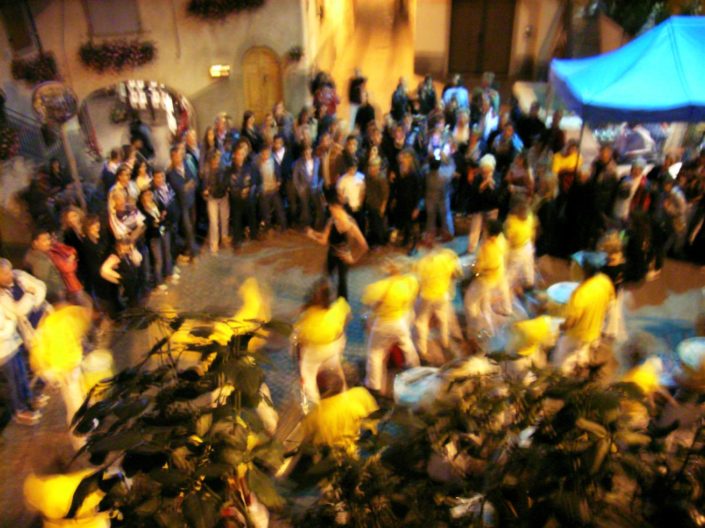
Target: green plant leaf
pixel 87 486
pixel 170 477
pixel 200 511
pixel 118 442
pixel 262 486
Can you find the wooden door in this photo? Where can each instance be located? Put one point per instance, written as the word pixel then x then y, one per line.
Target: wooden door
pixel 481 36
pixel 263 80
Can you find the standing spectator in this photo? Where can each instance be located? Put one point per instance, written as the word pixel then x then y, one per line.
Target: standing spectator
pixel 72 223
pixel 184 184
pixel 428 100
pixel 21 306
pixel 210 142
pixel 65 258
pixel 284 121
pixel 39 263
pixel 123 185
pixel 355 90
pixel 487 90
pixel 329 152
pixel 634 185
pixel 95 251
pixel 531 127
pixel 458 92
pixel 268 178
pixel 141 177
pixel 309 188
pixel 326 98
pixel 351 189
pixel 488 123
pixel 215 191
pixel 249 131
pixel 438 176
pixel 554 137
pixel 376 198
pixel 108 175
pixel 365 114
pixel 123 268
pixel 243 194
pixel 605 180
pixel 483 203
pixel 157 239
pixel 406 196
pixel 283 167
pixel 505 147
pixel 400 101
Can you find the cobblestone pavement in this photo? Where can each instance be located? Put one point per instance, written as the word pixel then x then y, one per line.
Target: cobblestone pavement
pixel 289 264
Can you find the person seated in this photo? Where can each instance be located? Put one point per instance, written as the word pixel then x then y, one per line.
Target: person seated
pixel 337 420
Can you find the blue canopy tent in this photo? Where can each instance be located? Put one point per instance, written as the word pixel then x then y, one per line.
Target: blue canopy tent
pixel 657 77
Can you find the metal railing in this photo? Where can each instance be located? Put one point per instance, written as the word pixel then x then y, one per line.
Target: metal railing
pixel 36 143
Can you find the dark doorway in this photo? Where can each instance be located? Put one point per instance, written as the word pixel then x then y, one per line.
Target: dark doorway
pixel 481 36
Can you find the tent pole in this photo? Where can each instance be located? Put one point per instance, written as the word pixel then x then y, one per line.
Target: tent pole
pixel 580 145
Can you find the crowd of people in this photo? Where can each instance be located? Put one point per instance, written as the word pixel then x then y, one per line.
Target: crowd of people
pixel 406 179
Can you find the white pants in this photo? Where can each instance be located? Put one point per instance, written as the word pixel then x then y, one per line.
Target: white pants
pixel 353 114
pixel 479 300
pixel 520 266
pixel 383 336
pixel 266 412
pixel 218 220
pixel 447 322
pixel 477 220
pixel 614 322
pixel 572 355
pixel 316 357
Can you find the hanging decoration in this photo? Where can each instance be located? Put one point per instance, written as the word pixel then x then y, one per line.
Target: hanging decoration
pixel 217 9
pixel 117 55
pixel 35 70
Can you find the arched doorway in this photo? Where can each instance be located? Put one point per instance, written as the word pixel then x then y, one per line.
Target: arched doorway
pixel 263 80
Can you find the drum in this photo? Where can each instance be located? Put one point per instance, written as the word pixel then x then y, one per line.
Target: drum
pixel 417 386
pixel 558 296
pixel 577 260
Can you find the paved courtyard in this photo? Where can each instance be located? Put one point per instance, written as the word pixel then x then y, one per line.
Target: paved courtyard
pixel 289 264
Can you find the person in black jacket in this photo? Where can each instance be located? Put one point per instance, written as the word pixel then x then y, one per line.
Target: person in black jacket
pixel 156 237
pixel 406 195
pixel 215 191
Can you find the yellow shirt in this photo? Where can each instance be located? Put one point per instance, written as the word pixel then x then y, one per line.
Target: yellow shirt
pixel 646 376
pixel 336 421
pixel 572 162
pixel 436 271
pixel 490 260
pixel 530 335
pixel 518 232
pixel 320 326
pixel 58 347
pixel 587 308
pixel 392 298
pixel 51 495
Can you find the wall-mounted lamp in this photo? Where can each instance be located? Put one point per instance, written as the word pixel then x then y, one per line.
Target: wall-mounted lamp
pixel 218 71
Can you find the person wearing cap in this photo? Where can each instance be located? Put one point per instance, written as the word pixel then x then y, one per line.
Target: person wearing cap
pixel 391 301
pixel 483 201
pixel 320 334
pixel 585 316
pixel 491 280
pixel 520 232
pixel 437 271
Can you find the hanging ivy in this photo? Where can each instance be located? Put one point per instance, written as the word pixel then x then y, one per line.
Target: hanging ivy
pixel 35 70
pixel 117 55
pixel 9 142
pixel 215 9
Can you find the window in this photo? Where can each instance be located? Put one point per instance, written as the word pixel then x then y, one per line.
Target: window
pixel 112 17
pixel 17 26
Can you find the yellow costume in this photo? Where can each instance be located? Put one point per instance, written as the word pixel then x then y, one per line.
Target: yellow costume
pixel 57 349
pixel 319 326
pixel 561 162
pixel 392 298
pixel 519 231
pixel 51 495
pixel 336 421
pixel 490 260
pixel 587 308
pixel 437 271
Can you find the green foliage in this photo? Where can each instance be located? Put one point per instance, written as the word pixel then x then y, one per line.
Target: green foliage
pixel 116 55
pixel 187 440
pixel 35 70
pixel 218 9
